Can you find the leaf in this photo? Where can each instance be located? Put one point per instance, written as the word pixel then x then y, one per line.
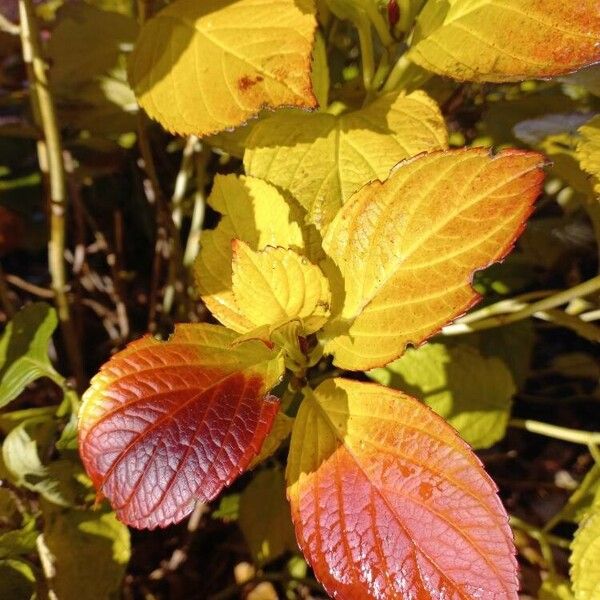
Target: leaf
pixel 55 481
pixel 18 541
pixel 265 517
pixel 407 248
pixel 278 285
pixel 86 43
pixel 18 579
pixel 585 558
pixel 209 77
pixel 588 150
pixel 322 159
pixel 506 40
pixel 167 424
pixel 555 588
pixel 90 551
pixel 282 427
pixel 24 350
pixel 473 393
pixel 388 502
pixel 256 213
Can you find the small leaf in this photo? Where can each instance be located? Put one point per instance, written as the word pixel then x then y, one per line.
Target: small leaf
pixel 265 517
pixel 277 285
pixel 388 502
pixel 322 159
pixel 18 579
pixel 90 551
pixel 407 248
pixel 256 213
pixel 207 77
pixel 473 393
pixel 167 424
pixel 506 40
pixel 18 541
pixel 282 427
pixel 86 43
pixel 24 350
pixel 588 150
pixel 585 557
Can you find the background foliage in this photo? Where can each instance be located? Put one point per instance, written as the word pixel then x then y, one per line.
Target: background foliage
pixel 136 211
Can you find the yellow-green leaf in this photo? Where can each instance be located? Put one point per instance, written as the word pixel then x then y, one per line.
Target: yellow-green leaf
pixel 322 159
pixel 195 71
pixel 506 40
pixel 588 150
pixel 555 587
pixel 277 285
pixel 585 558
pixel 265 517
pixel 89 552
pixel 473 393
pixel 282 427
pixel 406 249
pixel 256 213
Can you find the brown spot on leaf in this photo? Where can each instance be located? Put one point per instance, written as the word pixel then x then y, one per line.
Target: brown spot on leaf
pixel 246 82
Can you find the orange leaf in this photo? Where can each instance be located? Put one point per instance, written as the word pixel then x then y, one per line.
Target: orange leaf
pixel 388 502
pixel 166 424
pixel 407 248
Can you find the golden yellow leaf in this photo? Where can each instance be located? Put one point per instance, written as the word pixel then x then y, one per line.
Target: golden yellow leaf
pixel 585 557
pixel 276 285
pixel 588 150
pixel 195 71
pixel 322 159
pixel 282 427
pixel 506 40
pixel 406 249
pixel 256 213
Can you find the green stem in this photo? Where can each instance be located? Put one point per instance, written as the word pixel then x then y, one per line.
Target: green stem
pixel 53 158
pixel 186 170
pixel 193 240
pixel 379 23
pixel 405 15
pixel 365 40
pixel 575 436
pixel 541 306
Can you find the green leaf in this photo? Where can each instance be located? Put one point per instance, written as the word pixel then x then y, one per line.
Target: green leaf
pixel 86 43
pixel 473 393
pixel 512 344
pixel 265 517
pixel 18 580
pixel 24 350
pixel 585 558
pixel 228 509
pixel 18 541
pixel 555 588
pixel 56 481
pixel 90 551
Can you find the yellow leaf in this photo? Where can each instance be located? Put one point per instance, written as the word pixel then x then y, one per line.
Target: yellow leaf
pixel 506 40
pixel 194 70
pixel 282 427
pixel 256 213
pixel 585 558
pixel 277 285
pixel 322 159
pixel 588 150
pixel 406 249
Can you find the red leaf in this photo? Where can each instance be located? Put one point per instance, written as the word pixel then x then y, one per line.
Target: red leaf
pixel 166 424
pixel 388 502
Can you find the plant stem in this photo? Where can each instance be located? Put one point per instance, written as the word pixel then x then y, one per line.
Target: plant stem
pixel 181 181
pixel 575 436
pixel 380 24
pixel 365 39
pixel 51 155
pixel 541 306
pixel 193 240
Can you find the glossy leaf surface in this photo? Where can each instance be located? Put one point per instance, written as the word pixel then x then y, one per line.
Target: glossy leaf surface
pixel 388 502
pixel 322 159
pixel 195 71
pixel 506 40
pixel 166 424
pixel 277 285
pixel 256 213
pixel 407 248
pixel 473 393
